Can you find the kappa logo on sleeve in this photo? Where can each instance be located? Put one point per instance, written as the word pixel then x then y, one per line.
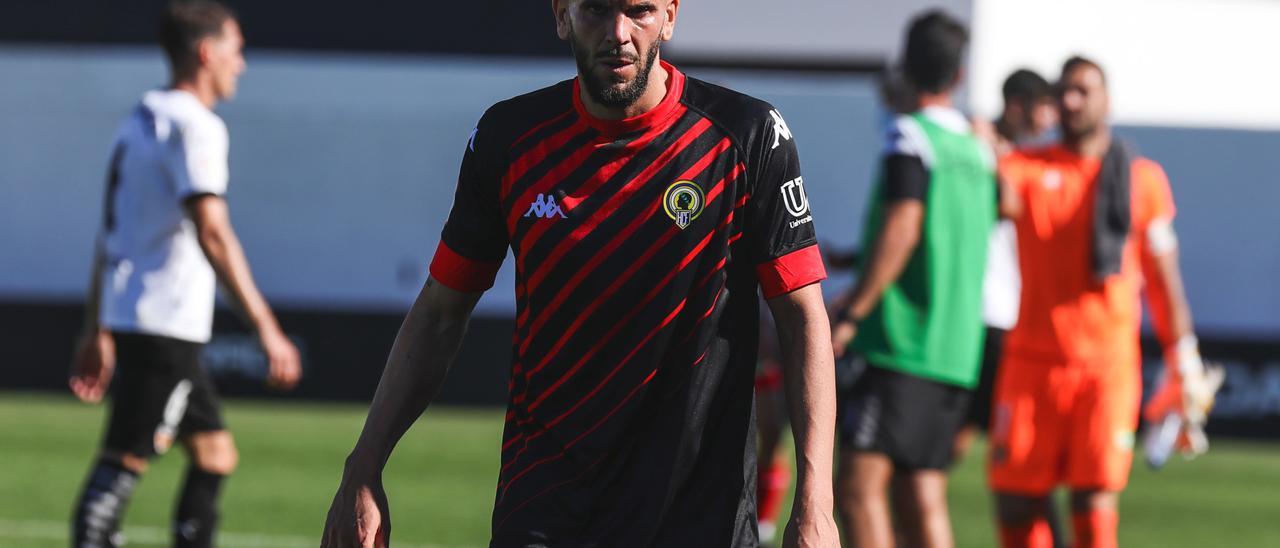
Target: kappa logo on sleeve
pixel 544 207
pixel 780 130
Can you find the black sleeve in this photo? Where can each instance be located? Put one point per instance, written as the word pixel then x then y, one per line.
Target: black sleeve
pixel 905 178
pixel 476 228
pixel 474 241
pixel 779 225
pixel 779 219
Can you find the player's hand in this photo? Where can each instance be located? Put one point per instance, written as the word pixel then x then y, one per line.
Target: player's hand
pixel 283 361
pixel 1188 387
pixel 811 528
pixel 1198 389
pixel 842 334
pixel 359 516
pixel 92 366
pixel 1177 412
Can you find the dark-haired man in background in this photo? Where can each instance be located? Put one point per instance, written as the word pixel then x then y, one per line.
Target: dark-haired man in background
pixel 1028 117
pixel 165 242
pixel 1029 114
pixel 916 311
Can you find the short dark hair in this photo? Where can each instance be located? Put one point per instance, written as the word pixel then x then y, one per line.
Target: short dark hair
pixel 185 23
pixel 1026 85
pixel 935 48
pixel 1077 61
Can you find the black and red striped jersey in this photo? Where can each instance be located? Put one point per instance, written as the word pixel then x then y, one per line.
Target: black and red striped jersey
pixel 641 246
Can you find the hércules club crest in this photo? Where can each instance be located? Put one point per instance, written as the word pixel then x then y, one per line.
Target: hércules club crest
pixel 683 201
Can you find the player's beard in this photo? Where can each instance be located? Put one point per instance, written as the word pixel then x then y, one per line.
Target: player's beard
pixel 1082 124
pixel 603 89
pixel 1076 132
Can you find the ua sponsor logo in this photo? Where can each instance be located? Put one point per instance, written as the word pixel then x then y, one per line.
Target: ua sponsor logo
pixel 780 130
pixel 544 207
pixel 683 201
pixel 794 198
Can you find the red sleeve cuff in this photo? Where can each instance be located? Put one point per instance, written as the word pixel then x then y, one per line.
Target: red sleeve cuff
pixel 460 273
pixel 791 271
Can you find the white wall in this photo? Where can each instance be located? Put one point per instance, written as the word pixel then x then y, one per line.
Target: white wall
pixel 1184 63
pixel 791 29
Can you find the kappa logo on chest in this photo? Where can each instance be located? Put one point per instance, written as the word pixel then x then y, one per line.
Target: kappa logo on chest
pixel 544 207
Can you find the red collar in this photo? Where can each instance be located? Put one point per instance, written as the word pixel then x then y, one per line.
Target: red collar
pixel 655 116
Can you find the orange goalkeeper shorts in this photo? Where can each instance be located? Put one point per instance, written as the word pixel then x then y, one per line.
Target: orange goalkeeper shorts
pixel 1064 423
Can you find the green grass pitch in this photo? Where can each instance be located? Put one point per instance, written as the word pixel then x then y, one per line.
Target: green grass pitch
pixel 441 480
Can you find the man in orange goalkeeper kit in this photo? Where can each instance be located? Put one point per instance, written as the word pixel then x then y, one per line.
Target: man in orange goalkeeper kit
pixel 1094 228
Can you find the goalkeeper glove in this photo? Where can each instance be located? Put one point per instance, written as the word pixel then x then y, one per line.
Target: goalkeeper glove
pixel 1178 411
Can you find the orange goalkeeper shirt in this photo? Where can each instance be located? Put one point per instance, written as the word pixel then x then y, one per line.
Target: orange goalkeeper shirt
pixel 1066 313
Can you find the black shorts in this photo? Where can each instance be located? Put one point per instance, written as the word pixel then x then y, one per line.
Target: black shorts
pixel 980 408
pixel 911 420
pixel 159 394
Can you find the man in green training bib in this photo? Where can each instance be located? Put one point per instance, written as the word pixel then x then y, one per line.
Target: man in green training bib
pixel 916 312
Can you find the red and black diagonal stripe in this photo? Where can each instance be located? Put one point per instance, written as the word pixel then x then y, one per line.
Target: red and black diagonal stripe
pixel 611 295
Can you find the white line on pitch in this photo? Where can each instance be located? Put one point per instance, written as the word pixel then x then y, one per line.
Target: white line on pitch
pixel 158 536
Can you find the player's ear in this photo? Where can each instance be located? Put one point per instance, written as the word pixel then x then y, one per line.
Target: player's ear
pixel 204 52
pixel 669 27
pixel 560 8
pixel 960 75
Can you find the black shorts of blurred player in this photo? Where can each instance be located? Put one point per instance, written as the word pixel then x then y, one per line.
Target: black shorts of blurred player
pixel 909 419
pixel 161 395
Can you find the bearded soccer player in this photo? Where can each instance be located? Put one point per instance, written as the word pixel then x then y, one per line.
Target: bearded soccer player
pixel 1094 224
pixel 166 239
pixel 644 210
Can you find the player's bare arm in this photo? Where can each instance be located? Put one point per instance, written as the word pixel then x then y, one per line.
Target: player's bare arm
pixel 94 359
pixel 889 258
pixel 805 339
pixel 420 358
pixel 1168 300
pixel 226 256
